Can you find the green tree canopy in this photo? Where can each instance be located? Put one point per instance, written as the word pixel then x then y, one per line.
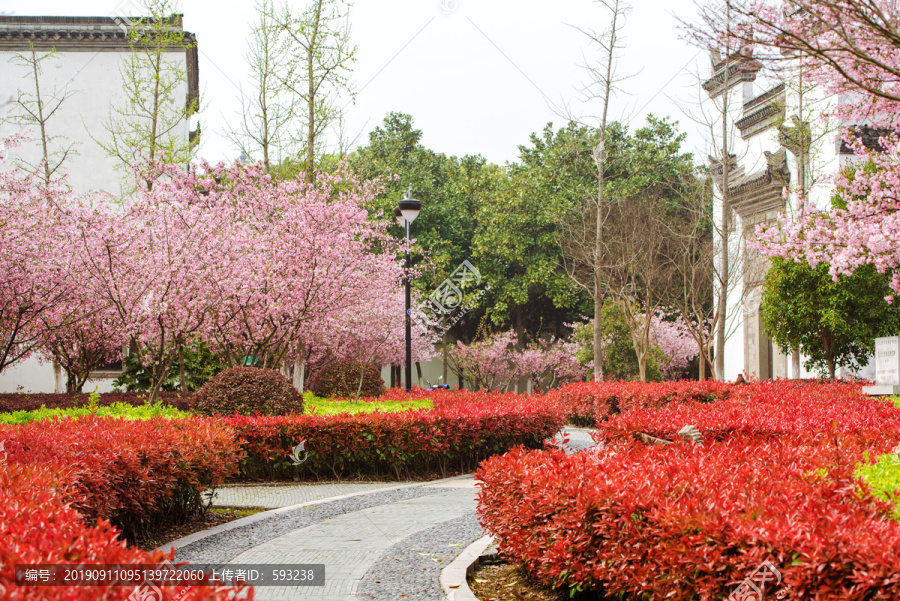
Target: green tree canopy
pixel 833 323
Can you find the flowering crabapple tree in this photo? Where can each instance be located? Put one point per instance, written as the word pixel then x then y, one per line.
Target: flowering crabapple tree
pixel 487 364
pixel 675 342
pixel 496 361
pixel 225 253
pixel 672 346
pixel 307 258
pixel 371 330
pixel 851 48
pixel 549 364
pixel 83 342
pixel 36 260
pixel 153 260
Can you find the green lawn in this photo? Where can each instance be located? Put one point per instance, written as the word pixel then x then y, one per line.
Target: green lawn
pixel 313 406
pixel 120 410
pixel 319 406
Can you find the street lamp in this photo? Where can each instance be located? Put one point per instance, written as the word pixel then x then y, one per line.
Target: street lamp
pixel 406 212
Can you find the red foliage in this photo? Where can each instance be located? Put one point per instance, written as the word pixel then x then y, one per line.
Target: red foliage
pixel 38 527
pixel 32 400
pixel 768 409
pixel 773 481
pixel 689 522
pixel 248 391
pixel 463 429
pixel 128 472
pixel 587 403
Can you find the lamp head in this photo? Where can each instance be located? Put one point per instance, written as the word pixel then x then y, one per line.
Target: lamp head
pixel 410 207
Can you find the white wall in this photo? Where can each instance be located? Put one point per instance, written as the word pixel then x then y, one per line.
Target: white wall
pixel 94 80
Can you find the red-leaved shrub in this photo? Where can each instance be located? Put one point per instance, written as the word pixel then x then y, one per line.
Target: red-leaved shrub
pixel 693 521
pixel 37 526
pixel 765 410
pixel 463 429
pixel 773 481
pixel 129 472
pixel 587 403
pixel 246 391
pixel 29 401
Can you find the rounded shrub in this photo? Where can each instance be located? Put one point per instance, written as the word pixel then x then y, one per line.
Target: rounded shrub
pixel 341 379
pixel 248 390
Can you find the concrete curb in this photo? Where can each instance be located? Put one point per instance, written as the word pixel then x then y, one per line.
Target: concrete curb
pixel 264 515
pixel 454 576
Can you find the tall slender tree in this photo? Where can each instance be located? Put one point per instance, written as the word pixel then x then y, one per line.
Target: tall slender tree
pixel 587 224
pixel 34 107
pixel 266 129
pixel 151 124
pixel 317 68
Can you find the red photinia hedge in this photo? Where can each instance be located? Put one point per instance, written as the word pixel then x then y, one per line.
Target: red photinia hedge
pixel 127 471
pixel 769 409
pixel 463 429
pixel 692 522
pixel 248 391
pixel 38 527
pixel 32 400
pixel 586 403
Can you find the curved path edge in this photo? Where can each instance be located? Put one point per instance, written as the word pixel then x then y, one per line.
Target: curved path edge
pixel 265 515
pixel 454 578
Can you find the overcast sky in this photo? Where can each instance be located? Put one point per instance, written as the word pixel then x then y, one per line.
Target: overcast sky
pixel 478 76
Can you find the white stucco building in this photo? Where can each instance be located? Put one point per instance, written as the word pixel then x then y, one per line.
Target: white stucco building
pixel 775 140
pixel 87 72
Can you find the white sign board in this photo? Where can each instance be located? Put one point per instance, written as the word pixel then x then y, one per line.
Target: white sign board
pixel 887 361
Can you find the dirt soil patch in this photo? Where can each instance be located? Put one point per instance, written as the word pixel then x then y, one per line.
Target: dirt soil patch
pixel 203 520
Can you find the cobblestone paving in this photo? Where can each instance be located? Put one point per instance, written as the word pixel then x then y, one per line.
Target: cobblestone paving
pixel 273 497
pixel 417 561
pixel 350 544
pixel 376 545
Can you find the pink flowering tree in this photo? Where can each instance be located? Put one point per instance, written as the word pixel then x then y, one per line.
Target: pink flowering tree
pixel 82 343
pixel 671 345
pixel 250 265
pixel 154 261
pixel 371 330
pixel 487 364
pixel 495 362
pixel 312 271
pixel 37 261
pixel 549 364
pixel 675 342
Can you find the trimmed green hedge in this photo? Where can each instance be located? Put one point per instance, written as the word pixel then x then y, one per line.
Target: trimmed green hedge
pixel 117 410
pixel 884 478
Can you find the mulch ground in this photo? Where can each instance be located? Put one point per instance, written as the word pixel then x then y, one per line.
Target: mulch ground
pixel 203 520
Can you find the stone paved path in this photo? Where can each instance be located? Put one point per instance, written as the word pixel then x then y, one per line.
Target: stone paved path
pixel 378 541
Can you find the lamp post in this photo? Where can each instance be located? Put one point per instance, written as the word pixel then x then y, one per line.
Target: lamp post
pixel 406 212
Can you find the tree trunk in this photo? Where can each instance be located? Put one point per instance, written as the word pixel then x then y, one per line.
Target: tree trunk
pixel 445 358
pixel 296 376
pixel 157 375
pixel 181 373
pixel 598 333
